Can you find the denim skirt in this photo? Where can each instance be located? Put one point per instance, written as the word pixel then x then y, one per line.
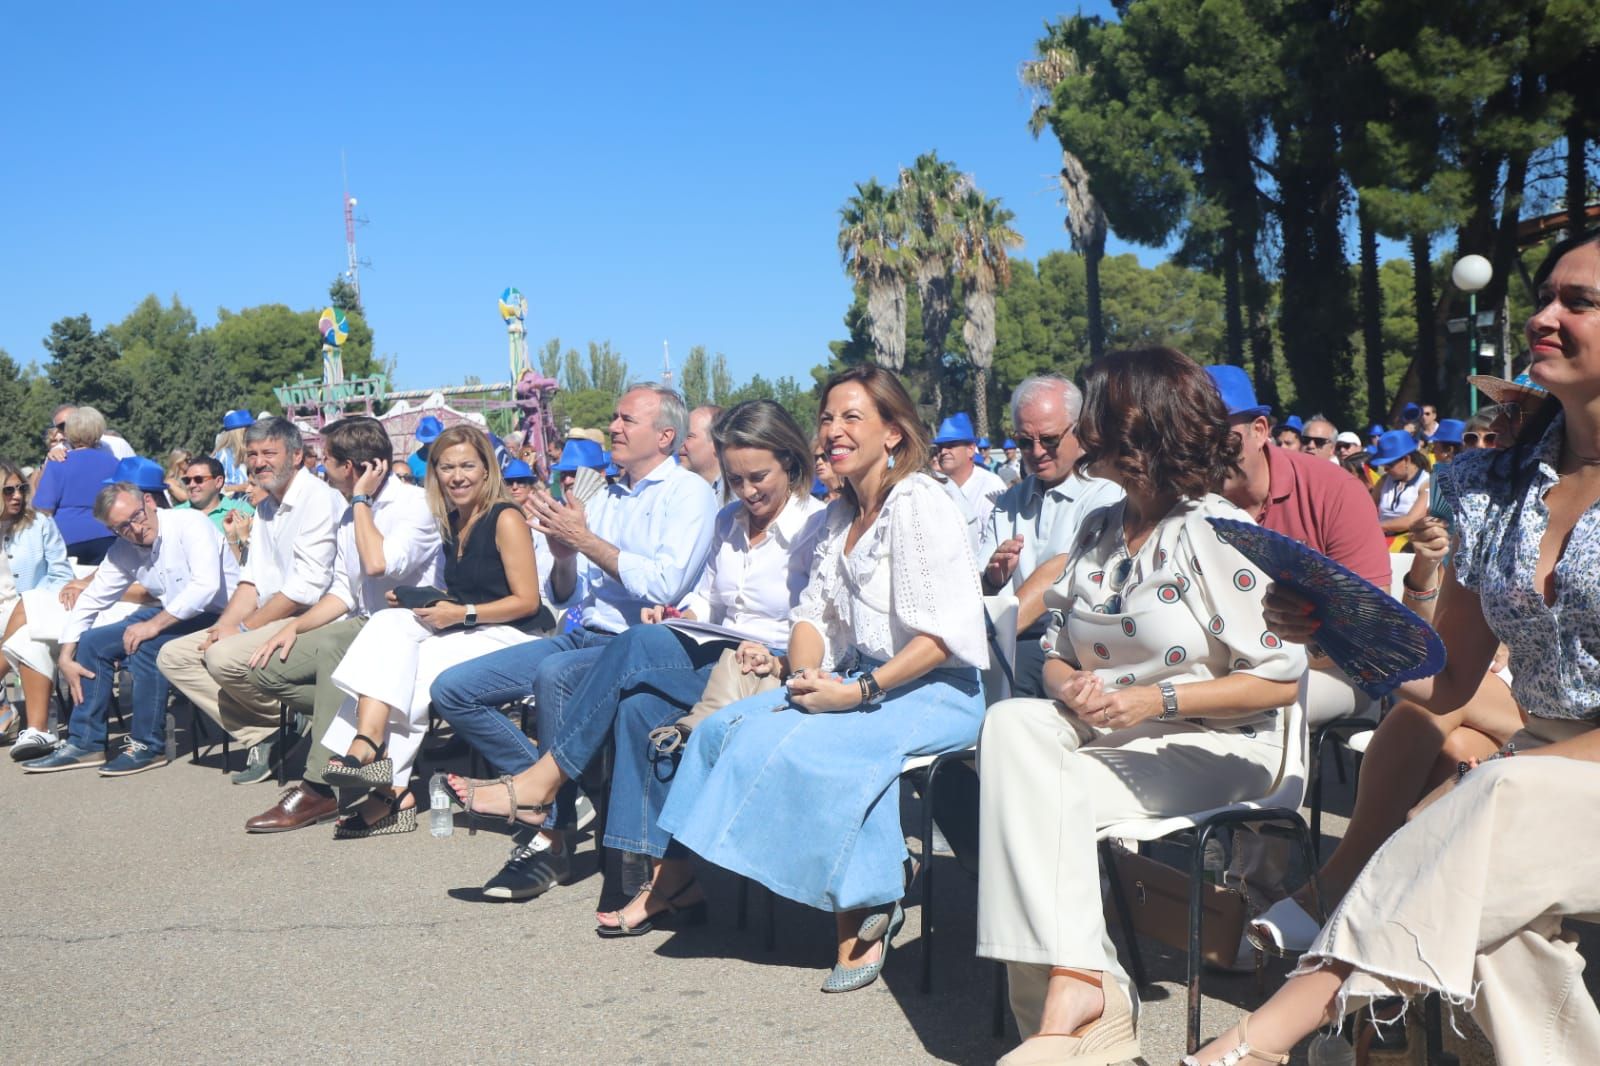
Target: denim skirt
pixel 809 804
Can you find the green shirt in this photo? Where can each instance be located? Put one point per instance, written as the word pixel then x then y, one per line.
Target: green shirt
pixel 223 507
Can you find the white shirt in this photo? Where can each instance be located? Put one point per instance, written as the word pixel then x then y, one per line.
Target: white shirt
pixel 117 446
pixel 906 577
pixel 1396 500
pixel 1046 518
pixel 754 589
pixel 411 552
pixel 189 568
pixel 292 543
pixel 661 526
pixel 982 489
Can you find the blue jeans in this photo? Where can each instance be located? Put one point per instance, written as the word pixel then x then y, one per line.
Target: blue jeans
pixel 470 696
pixel 648 676
pixel 99 651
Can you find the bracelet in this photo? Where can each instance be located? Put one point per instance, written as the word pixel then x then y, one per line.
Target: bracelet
pixel 1426 596
pixel 1463 768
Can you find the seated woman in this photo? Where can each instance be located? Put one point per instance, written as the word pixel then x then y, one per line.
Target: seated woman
pixel 490 601
pixel 1402 493
pixel 799 789
pixel 1167 687
pixel 650 675
pixel 67 488
pixel 1467 900
pixel 37 558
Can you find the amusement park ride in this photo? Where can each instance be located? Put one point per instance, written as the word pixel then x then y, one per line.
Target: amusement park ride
pixel 312 403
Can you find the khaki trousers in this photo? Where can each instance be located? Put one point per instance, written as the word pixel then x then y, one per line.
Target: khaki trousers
pixel 303 682
pixel 218 681
pixel 1467 900
pixel 1048 784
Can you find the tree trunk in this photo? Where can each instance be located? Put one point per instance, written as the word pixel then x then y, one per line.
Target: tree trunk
pixel 1233 314
pixel 1264 369
pixel 1091 283
pixel 1371 317
pixel 980 401
pixel 1577 175
pixel 1422 305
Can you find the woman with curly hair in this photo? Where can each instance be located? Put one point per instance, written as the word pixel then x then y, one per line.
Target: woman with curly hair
pixel 1166 685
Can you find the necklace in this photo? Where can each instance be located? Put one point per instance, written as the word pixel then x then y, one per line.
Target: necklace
pixel 1586 460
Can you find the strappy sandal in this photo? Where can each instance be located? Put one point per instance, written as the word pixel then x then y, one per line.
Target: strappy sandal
pixel 539 810
pixel 399 820
pixel 1242 1051
pixel 347 771
pixel 1108 1039
pixel 693 914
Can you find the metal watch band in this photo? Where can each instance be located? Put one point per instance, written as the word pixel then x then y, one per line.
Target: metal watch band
pixel 1169 701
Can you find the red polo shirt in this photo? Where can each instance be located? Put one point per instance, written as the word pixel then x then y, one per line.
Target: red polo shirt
pixel 1320 504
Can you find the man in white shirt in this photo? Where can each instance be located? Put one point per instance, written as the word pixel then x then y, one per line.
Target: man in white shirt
pixel 699 451
pixel 287 569
pixel 640 542
pixel 1010 470
pixel 1038 517
pixel 955 455
pixel 187 571
pixel 387 538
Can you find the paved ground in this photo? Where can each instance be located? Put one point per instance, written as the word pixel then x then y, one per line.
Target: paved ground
pixel 145 925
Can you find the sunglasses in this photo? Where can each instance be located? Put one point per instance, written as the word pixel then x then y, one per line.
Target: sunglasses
pixel 1049 444
pixel 1317 442
pixel 1472 440
pixel 60 427
pixel 14 490
pixel 201 480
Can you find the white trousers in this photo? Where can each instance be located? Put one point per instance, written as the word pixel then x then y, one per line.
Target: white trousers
pixel 394 660
pixel 1048 785
pixel 38 642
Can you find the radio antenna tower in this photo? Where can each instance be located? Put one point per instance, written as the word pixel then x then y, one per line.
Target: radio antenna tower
pixel 354 264
pixel 666 366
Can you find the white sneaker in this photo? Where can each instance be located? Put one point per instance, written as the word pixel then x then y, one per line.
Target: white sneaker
pixel 33 744
pixel 1284 928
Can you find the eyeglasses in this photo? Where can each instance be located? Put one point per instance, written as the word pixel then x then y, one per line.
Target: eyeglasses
pixel 201 480
pixel 60 427
pixel 122 529
pixel 1049 444
pixel 1317 442
pixel 1472 440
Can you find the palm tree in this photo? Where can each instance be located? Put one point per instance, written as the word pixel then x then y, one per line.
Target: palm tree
pixel 1055 62
pixel 983 236
pixel 931 188
pixel 872 230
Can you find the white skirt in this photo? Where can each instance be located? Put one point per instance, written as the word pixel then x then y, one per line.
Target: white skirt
pixel 394 660
pixel 36 644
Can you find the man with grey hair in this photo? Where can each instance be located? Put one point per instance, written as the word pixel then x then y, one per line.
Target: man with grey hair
pixel 1037 518
pixel 638 543
pixel 1317 437
pixel 699 451
pixel 288 566
pixel 186 571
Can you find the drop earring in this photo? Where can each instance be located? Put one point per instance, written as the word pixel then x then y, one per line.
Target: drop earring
pixel 891 460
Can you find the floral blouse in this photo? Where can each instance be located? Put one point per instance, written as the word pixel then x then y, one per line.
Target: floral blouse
pixel 1185 607
pixel 1555 651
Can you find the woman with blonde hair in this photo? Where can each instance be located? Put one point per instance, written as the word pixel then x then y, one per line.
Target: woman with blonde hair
pixel 67 489
pixel 230 451
pixel 490 600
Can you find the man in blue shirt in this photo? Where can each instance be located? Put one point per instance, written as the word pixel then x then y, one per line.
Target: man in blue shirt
pixel 640 542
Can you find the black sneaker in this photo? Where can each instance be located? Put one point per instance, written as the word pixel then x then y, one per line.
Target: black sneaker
pixel 533 869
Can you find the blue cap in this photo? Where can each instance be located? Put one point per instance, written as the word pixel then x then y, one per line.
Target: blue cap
pixel 1449 431
pixel 1008 443
pixel 1410 413
pixel 240 419
pixel 144 474
pixel 1292 422
pixel 1395 444
pixel 1375 430
pixel 957 429
pixel 1238 395
pixel 818 489
pixel 983 442
pixel 428 429
pixel 517 470
pixel 612 469
pixel 578 452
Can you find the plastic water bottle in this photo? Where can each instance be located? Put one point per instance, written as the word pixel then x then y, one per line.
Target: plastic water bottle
pixel 441 819
pixel 1330 1049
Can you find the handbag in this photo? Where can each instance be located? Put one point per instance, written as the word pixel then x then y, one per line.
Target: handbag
pixel 414 596
pixel 1158 905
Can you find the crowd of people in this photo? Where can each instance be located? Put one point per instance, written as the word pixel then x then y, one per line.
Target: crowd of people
pixel 762 625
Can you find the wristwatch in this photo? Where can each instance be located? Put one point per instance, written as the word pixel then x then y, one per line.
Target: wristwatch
pixel 871 693
pixel 361 497
pixel 472 616
pixel 1169 702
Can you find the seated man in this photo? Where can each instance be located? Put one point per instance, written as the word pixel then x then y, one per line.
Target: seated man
pixel 204 478
pixel 637 543
pixel 387 538
pixel 1037 519
pixel 181 562
pixel 956 456
pixel 287 569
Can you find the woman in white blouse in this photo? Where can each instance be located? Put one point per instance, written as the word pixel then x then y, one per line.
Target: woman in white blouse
pixel 650 675
pixel 1166 681
pixel 36 556
pixel 797 788
pixel 1402 493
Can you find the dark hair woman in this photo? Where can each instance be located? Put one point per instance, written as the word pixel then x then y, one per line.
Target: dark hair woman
pixel 1167 686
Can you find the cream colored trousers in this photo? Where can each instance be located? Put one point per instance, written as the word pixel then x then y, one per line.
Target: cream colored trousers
pixel 1048 785
pixel 1468 898
pixel 217 680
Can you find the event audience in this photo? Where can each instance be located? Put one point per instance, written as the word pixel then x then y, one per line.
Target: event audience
pixel 956 457
pixel 68 489
pixel 36 559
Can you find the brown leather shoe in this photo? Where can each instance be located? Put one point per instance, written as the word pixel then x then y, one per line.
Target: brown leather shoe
pixel 297 808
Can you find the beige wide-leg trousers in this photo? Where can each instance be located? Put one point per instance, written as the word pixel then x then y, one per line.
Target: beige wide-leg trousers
pixel 217 680
pixel 1048 784
pixel 1467 900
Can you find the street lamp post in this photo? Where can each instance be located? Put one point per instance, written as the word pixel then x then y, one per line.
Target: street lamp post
pixel 1470 274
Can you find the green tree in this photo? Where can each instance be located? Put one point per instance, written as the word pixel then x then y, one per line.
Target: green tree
pixel 721 380
pixel 694 381
pixel 549 356
pixel 930 188
pixel 585 408
pixel 872 232
pixel 85 368
pixel 983 239
pixel 19 437
pixel 180 391
pixel 608 371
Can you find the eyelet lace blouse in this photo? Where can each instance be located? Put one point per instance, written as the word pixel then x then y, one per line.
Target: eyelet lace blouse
pixel 912 572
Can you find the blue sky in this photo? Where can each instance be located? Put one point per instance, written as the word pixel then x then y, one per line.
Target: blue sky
pixel 640 173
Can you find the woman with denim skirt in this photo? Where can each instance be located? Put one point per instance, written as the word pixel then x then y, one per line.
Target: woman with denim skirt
pixel 650 676
pixel 797 788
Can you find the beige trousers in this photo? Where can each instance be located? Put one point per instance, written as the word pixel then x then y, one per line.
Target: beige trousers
pixel 1048 785
pixel 218 680
pixel 1467 900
